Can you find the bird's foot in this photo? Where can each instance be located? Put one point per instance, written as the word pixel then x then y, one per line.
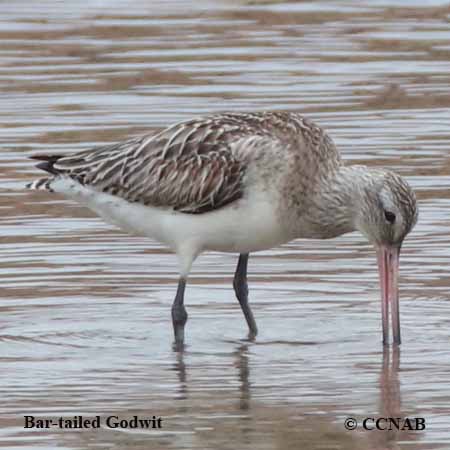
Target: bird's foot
pixel 251 336
pixel 178 346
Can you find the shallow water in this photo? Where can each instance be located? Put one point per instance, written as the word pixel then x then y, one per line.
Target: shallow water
pixel 85 310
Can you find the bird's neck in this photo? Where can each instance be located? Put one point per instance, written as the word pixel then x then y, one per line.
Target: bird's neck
pixel 335 204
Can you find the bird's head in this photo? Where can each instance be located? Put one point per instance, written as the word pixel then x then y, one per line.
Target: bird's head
pixel 386 214
pixel 388 210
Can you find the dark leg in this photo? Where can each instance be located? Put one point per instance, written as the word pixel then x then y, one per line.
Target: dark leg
pixel 241 289
pixel 179 314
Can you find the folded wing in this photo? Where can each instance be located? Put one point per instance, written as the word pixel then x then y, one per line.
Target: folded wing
pixel 189 167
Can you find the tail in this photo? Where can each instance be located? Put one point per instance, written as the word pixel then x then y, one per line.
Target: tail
pixel 47 165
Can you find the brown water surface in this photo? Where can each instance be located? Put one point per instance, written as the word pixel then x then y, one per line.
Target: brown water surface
pixel 85 310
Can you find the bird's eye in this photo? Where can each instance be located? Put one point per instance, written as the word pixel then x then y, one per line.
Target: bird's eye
pixel 390 216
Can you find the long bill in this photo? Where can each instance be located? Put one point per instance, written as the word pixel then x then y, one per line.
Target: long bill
pixel 388 266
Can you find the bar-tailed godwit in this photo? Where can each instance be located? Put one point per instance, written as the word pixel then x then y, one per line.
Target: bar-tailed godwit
pixel 239 183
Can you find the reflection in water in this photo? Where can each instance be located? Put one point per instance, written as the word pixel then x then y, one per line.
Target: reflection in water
pixel 240 362
pixel 180 368
pixel 243 375
pixel 390 405
pixel 390 399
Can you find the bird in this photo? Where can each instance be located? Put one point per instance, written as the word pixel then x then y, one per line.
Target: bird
pixel 239 182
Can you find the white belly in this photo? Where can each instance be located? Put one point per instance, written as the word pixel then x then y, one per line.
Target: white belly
pixel 248 225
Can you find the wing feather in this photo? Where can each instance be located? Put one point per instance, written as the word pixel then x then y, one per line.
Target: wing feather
pixel 185 167
pixel 198 165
